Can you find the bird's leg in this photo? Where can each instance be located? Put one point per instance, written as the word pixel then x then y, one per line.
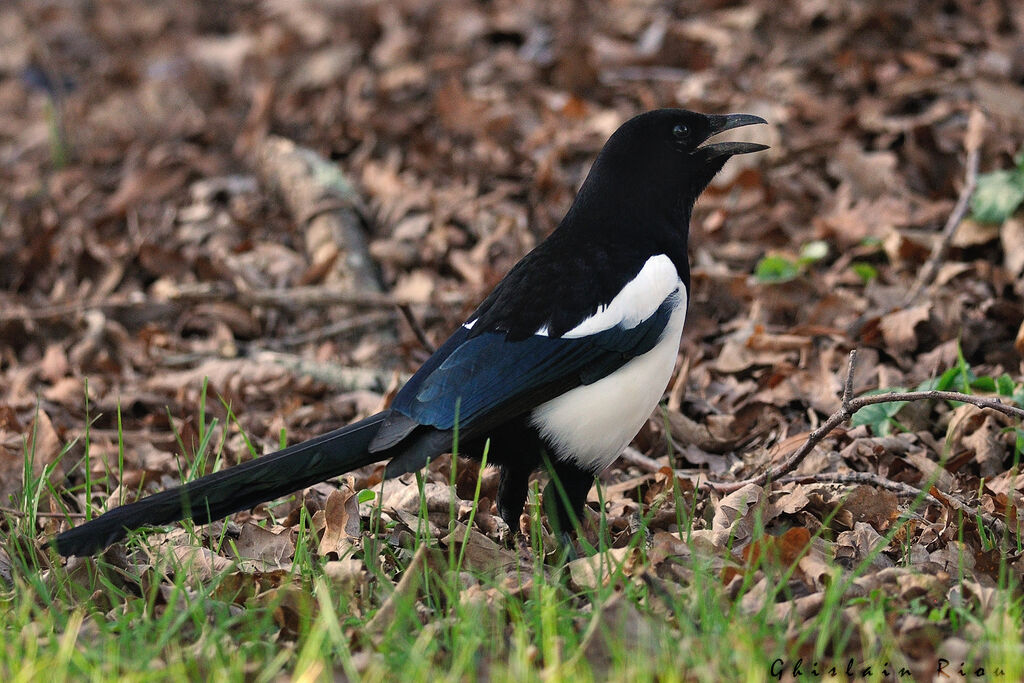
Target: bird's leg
pixel 512 488
pixel 564 498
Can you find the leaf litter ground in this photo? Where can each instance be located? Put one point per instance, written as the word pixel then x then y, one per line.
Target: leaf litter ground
pixel 153 265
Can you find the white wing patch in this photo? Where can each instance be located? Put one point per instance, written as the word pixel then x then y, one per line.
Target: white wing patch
pixel 591 424
pixel 637 301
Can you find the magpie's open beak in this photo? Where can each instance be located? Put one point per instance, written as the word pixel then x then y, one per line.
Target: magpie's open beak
pixel 720 124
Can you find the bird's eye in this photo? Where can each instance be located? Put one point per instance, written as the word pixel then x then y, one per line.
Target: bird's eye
pixel 680 131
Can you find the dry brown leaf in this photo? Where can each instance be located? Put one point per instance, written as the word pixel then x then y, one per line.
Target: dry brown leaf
pixel 478 552
pixel 665 545
pixel 200 562
pixel 717 434
pixel 816 564
pixel 982 598
pixel 736 516
pixel 6 577
pixel 256 543
pixel 762 340
pixel 1011 234
pixel 43 447
pixel 913 586
pixel 736 356
pixel 595 571
pixel 232 376
pixel 853 546
pixel 346 576
pixel 147 184
pixel 340 522
pixel 241 586
pixel 436 497
pixel 779 551
pixel 293 607
pixel 932 473
pixel 975 129
pixel 483 601
pixel 869 174
pixel 616 622
pixel 800 610
pixel 954 557
pixel 899 328
pixel 855 218
pixel 416 286
pixel 974 234
pixel 55 364
pixel 877 507
pixel 989 448
pixel 908 248
pixel 951 271
pixel 792 501
pixel 756 597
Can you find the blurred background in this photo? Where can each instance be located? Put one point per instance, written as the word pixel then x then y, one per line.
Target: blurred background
pixel 134 166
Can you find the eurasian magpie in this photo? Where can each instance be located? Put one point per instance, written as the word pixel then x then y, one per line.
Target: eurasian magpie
pixel 559 367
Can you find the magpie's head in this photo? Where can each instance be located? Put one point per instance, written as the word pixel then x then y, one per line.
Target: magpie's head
pixel 670 149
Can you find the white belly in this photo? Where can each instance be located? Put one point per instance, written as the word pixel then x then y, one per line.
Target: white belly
pixel 591 424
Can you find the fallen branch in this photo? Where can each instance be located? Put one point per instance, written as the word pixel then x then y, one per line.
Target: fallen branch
pixel 335 376
pixel 972 143
pixel 849 407
pixel 294 297
pixel 900 489
pixel 54 515
pixel 632 456
pixel 373 319
pixel 12 310
pixel 174 297
pixel 870 478
pixel 326 206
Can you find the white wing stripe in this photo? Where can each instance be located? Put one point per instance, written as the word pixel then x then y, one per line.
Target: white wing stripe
pixel 637 301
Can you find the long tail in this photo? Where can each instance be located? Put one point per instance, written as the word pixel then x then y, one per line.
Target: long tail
pixel 236 488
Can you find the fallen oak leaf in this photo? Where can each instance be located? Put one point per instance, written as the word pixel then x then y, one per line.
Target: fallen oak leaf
pixel 877 507
pixel 988 446
pixel 736 514
pixel 260 544
pixel 597 570
pixel 340 519
pixel 615 622
pixel 241 586
pixel 859 543
pixel 477 551
pixel 899 327
pixel 773 551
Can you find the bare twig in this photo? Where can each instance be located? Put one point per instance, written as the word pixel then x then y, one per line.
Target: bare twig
pixel 848 384
pixel 14 310
pixel 972 142
pixel 291 298
pixel 897 487
pixel 56 515
pixel 846 411
pixel 632 456
pixel 417 329
pixel 372 319
pixel 900 489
